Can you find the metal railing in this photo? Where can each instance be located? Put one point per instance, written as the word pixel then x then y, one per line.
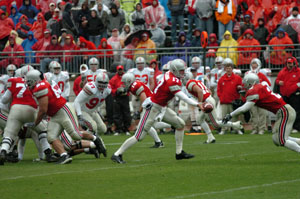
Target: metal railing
pixel 71 60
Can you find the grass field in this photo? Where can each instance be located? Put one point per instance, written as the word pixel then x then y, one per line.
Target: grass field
pixel 236 166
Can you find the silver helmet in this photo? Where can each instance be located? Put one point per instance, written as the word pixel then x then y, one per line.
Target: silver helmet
pixel 10 69
pixel 102 81
pixel 25 69
pixel 128 79
pixel 55 67
pixel 93 63
pixel 227 61
pixel 218 61
pixel 187 76
pixel 176 67
pixel 32 78
pixel 258 62
pixel 250 79
pixel 140 63
pixel 196 62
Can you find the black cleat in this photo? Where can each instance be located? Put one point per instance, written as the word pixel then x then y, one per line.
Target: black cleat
pixel 2 157
pixel 108 132
pixel 65 159
pixel 184 155
pixel 158 145
pixel 11 158
pixel 95 152
pixel 117 159
pixel 100 146
pixel 50 157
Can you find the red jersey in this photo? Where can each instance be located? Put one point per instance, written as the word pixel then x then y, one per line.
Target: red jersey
pixel 138 87
pixel 190 85
pixel 55 100
pixel 166 89
pixel 265 98
pixel 20 93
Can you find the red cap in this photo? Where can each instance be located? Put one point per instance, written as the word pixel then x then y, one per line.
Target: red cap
pixel 290 60
pixel 120 67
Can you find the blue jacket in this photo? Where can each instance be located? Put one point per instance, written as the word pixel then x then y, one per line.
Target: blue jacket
pixel 16 16
pixel 30 11
pixel 27 46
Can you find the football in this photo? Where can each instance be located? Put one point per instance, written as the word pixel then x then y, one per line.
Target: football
pixel 207 107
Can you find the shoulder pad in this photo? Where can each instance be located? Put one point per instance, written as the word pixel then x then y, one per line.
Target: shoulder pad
pixel 90 88
pixel 190 85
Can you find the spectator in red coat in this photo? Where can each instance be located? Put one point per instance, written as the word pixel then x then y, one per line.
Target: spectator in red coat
pixel 105 53
pixel 43 5
pixel 288 80
pixel 122 118
pixel 50 55
pixel 39 26
pixel 84 46
pixel 6 25
pixel 247 53
pixel 41 45
pixel 23 27
pixel 277 13
pixel 227 90
pixel 12 52
pixel 211 53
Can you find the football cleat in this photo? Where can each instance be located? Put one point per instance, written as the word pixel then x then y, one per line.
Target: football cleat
pixel 100 146
pixel 10 157
pixel 253 132
pixel 2 157
pixel 117 159
pixel 183 155
pixel 50 157
pixel 158 145
pixel 95 152
pixel 65 159
pixel 237 125
pixel 210 141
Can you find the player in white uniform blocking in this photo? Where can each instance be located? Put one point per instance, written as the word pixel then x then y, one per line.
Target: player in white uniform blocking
pixel 145 75
pixel 62 116
pixel 153 106
pixel 89 100
pixel 201 93
pixel 60 77
pixel 262 96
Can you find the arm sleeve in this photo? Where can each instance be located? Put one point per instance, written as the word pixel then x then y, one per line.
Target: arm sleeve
pixel 67 89
pixel 82 96
pixel 247 106
pixel 185 98
pixel 6 97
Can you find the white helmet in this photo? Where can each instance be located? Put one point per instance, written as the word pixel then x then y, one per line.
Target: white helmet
pixel 10 69
pixel 55 67
pixel 196 62
pixel 102 81
pixel 258 62
pixel 165 68
pixel 32 77
pixel 83 69
pixel 18 72
pixel 176 66
pixel 250 79
pixel 25 69
pixel 128 79
pixel 227 61
pixel 140 63
pixel 94 63
pixel 187 76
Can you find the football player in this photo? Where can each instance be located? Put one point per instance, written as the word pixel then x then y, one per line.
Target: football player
pixel 60 77
pixel 62 116
pixel 92 73
pixel 87 102
pixel 201 93
pixel 262 96
pixel 153 109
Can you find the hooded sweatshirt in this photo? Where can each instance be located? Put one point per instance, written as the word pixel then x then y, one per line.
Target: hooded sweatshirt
pixel 116 20
pixel 155 14
pixel 185 43
pixel 138 19
pixel 95 25
pixel 15 17
pixel 29 10
pixel 10 52
pixel 6 25
pixel 231 51
pixel 23 29
pixel 38 27
pixel 27 46
pixel 109 50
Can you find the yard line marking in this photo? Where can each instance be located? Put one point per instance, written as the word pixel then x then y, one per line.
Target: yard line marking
pixel 236 189
pixel 74 171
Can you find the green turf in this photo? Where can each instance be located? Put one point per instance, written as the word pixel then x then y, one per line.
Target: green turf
pixel 237 166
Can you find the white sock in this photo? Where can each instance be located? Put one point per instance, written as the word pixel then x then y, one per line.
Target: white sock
pixel 94 138
pixel 161 125
pixel 43 141
pixel 35 138
pixel 126 145
pixel 92 145
pixel 86 150
pixel 292 145
pixel 179 140
pixel 6 144
pixel 297 140
pixel 207 130
pixel 21 148
pixel 65 153
pixel 152 132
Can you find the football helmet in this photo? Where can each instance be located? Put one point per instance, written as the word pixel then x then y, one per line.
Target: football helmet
pixel 258 62
pixel 128 79
pixel 177 67
pixel 94 64
pixel 32 78
pixel 140 63
pixel 83 69
pixel 55 67
pixel 102 81
pixel 187 76
pixel 227 61
pixel 18 72
pixel 250 79
pixel 196 62
pixel 10 69
pixel 25 69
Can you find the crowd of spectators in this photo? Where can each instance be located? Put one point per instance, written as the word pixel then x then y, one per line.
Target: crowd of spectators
pixel 76 25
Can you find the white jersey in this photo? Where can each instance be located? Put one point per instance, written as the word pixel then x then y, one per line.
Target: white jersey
pixel 90 98
pixel 91 76
pixel 215 75
pixel 3 81
pixel 267 72
pixel 143 75
pixel 200 70
pixel 62 80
